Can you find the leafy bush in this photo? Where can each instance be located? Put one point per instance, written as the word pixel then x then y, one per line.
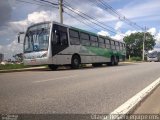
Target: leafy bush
pixel 136 58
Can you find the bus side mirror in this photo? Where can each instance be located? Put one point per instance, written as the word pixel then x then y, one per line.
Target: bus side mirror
pixel 19 34
pixel 18 38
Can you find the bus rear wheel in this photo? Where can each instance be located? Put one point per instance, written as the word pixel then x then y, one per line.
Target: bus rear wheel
pixel 53 67
pixel 75 63
pixel 116 61
pixel 112 61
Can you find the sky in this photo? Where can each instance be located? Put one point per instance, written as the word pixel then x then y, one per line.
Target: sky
pixel 17 15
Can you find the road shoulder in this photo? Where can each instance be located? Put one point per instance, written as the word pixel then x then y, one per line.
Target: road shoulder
pixel 151 105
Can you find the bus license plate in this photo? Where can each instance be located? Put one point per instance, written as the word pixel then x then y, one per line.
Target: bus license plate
pixel 33 61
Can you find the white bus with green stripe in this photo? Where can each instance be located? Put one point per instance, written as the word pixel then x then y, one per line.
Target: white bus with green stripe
pixel 54 44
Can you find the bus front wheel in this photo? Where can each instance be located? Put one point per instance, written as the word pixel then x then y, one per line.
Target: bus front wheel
pixel 75 63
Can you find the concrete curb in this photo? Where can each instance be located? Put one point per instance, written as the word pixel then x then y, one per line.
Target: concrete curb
pixel 133 62
pixel 133 102
pixel 24 69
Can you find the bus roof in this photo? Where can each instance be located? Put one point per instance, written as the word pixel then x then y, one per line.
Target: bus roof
pixel 81 30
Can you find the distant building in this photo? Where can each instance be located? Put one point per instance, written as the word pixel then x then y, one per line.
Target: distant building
pixel 1 57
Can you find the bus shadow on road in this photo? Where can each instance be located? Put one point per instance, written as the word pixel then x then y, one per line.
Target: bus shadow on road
pixel 84 67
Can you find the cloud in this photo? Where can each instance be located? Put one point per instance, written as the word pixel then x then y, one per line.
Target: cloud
pixel 136 9
pixel 103 33
pixel 152 31
pixel 118 37
pixel 17 26
pixel 12 28
pixel 157 36
pixel 118 25
pixel 5 13
pixel 41 16
pixel 130 32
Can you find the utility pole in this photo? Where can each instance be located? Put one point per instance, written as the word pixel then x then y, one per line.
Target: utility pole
pixel 61 11
pixel 144 39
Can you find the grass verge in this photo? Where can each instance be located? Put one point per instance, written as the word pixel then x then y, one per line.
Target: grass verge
pixel 13 66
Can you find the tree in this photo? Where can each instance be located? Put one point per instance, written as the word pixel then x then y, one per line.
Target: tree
pixel 134 43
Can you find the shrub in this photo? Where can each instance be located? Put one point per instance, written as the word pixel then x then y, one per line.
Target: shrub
pixel 136 58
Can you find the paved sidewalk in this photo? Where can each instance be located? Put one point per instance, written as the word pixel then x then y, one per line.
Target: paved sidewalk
pixel 151 105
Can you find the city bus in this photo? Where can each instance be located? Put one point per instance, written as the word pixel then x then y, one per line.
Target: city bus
pixel 55 44
pixel 153 56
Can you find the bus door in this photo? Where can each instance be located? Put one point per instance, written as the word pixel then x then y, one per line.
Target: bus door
pixel 59 39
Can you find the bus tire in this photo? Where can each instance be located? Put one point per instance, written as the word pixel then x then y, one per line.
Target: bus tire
pixel 53 67
pixel 75 63
pixel 116 61
pixel 112 61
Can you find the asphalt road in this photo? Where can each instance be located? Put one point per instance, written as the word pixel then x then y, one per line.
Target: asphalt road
pixel 88 90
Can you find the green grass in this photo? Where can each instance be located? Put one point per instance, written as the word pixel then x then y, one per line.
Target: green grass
pixel 12 66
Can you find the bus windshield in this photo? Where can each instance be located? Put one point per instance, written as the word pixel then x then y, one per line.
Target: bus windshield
pixel 152 55
pixel 37 38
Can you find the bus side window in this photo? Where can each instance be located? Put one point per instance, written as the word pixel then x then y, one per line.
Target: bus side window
pixel 94 41
pixel 84 39
pixel 107 42
pixel 63 38
pixel 101 42
pixel 60 38
pixel 74 37
pixel 117 45
pixel 113 47
pixel 56 37
pixel 58 42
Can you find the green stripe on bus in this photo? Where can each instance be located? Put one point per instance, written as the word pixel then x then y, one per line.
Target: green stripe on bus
pixel 104 52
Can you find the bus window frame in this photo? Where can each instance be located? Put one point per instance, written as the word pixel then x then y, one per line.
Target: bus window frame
pixel 84 39
pixel 108 43
pixel 94 41
pixel 74 37
pixel 100 42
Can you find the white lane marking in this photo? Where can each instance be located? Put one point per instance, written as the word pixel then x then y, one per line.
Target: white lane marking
pixel 128 106
pixel 39 81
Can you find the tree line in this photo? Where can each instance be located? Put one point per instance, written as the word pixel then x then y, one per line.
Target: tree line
pixel 134 43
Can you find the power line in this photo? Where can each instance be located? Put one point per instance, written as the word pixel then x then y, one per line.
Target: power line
pixel 85 16
pixel 121 17
pixel 82 15
pixel 105 6
pixel 28 2
pixel 90 17
pixel 37 1
pixel 49 2
pixel 81 21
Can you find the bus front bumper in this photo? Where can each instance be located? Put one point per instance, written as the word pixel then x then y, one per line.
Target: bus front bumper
pixel 37 61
